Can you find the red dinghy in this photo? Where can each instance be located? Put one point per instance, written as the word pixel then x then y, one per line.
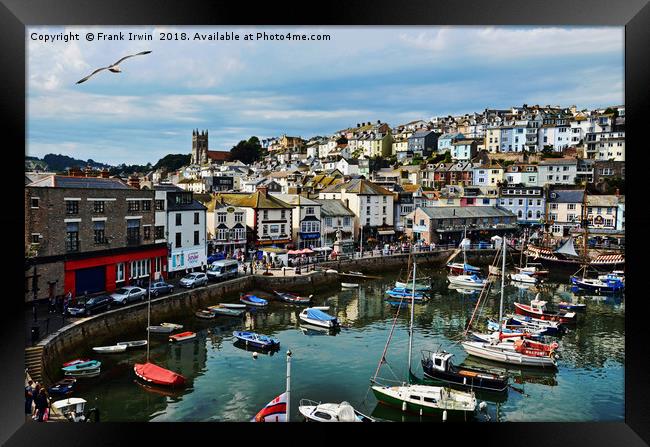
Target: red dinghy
pixel 537 309
pixel 182 336
pixel 75 362
pixel 156 375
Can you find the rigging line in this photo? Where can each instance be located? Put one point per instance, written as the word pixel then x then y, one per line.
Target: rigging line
pixel 484 289
pixel 382 359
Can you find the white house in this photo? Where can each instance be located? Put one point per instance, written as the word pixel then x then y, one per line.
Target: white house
pixel 306 221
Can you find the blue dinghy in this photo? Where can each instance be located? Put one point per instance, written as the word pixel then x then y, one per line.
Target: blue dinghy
pixel 252 300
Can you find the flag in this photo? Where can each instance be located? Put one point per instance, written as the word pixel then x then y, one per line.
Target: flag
pixel 275 411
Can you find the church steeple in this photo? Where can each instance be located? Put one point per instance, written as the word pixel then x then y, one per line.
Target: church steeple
pixel 199 147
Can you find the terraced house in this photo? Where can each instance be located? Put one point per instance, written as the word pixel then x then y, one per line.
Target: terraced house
pixel 88 234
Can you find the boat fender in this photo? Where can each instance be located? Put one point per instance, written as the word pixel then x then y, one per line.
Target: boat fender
pixel 552 354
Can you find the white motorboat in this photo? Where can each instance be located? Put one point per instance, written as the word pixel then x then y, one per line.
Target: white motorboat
pixel 133 344
pixel 506 352
pixel 317 317
pixel 466 280
pixel 110 349
pixel 160 329
pixel 419 287
pixel 349 285
pixel 523 277
pixel 232 305
pixel 71 409
pixel 343 412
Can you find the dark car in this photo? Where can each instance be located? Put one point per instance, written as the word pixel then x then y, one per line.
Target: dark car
pixel 91 305
pixel 160 287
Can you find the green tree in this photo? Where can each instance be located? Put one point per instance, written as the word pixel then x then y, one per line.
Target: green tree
pixel 447 158
pixel 247 151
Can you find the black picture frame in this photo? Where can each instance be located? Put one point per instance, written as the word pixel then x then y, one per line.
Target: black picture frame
pixel 633 14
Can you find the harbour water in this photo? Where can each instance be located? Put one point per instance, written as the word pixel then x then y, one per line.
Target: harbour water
pixel 226 383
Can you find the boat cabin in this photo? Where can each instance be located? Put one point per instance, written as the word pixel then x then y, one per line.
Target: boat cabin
pixel 538 305
pixel 72 408
pixel 441 360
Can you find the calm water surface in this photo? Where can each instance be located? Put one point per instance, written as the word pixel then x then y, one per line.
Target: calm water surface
pixel 227 384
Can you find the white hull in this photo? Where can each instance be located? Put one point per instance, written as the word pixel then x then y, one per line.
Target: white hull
pixel 430 397
pixel 349 285
pixel 418 286
pixel 83 373
pixel 319 323
pixel 133 344
pixel 464 281
pixel 160 329
pixel 505 354
pixel 232 306
pixel 523 278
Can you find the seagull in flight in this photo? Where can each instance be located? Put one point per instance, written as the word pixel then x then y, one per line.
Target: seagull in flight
pixel 113 67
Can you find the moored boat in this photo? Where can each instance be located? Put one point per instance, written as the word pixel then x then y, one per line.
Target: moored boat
pixel 255 339
pixel 160 329
pixel 319 412
pixel 550 327
pixel 571 306
pixel 610 284
pixel 425 399
pixel 459 268
pixel 85 369
pixel 110 349
pixel 439 366
pixel 537 309
pixel 317 317
pixel 349 285
pixel 252 300
pixel 63 387
pixel 133 344
pixel 227 312
pixel 231 306
pixel 75 362
pixel 292 298
pixel 157 375
pixel 400 292
pixel 419 286
pixel 523 277
pixel 466 280
pixel 182 336
pixel 174 326
pixel 205 314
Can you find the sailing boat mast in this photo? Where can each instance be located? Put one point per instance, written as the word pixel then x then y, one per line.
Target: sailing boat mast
pixel 412 313
pixel 148 317
pixel 503 281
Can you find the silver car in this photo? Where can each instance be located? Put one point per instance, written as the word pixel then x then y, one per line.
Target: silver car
pixel 125 295
pixel 194 280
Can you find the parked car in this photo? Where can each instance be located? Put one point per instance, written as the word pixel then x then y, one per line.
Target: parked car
pixel 90 305
pixel 125 295
pixel 193 280
pixel 160 287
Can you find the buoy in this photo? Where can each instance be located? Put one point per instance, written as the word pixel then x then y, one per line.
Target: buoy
pixel 254 355
pixel 444 416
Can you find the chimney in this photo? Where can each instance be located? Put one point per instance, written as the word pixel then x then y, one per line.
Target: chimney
pixel 264 190
pixel 75 172
pixel 104 173
pixel 134 182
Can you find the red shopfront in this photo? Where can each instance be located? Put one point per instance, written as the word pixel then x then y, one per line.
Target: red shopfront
pixel 106 273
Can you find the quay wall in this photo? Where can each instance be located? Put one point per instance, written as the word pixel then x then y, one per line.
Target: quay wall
pixel 104 329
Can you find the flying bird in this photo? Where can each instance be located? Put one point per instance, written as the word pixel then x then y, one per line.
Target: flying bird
pixel 113 67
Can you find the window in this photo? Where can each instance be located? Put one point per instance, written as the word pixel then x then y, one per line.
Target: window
pixel 178 240
pixel 538 214
pixel 265 214
pixel 160 205
pixel 146 205
pixel 134 205
pixel 119 272
pixel 609 210
pixel 328 221
pixel 385 199
pixel 265 230
pixel 99 230
pixel 133 231
pixel 608 222
pixel 196 218
pixel 72 236
pixel 282 214
pixel 239 217
pixel 147 232
pixel 552 216
pixel 383 210
pixel 196 237
pixel 159 232
pixel 565 177
pixel 521 201
pixel 71 207
pixel 221 218
pixel 572 206
pixel 158 264
pixel 98 206
pixel 519 214
pixel 553 206
pixel 178 219
pixel 34 202
pixel 310 210
pixel 283 229
pixel 274 229
pixel 346 221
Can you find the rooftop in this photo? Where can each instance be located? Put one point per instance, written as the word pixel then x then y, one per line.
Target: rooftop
pixel 64 181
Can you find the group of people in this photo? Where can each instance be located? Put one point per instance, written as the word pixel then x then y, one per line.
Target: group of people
pixel 37 404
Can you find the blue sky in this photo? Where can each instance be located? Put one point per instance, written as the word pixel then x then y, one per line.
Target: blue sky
pixel 239 89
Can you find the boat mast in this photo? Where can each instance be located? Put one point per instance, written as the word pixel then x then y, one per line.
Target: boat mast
pixel 288 413
pixel 463 245
pixel 585 237
pixel 148 316
pixel 503 281
pixel 412 313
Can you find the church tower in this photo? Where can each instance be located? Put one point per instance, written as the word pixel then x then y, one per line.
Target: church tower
pixel 199 147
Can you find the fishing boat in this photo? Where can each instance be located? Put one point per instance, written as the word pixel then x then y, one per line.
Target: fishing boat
pixel 86 369
pixel 497 347
pixel 422 399
pixel 398 292
pixel 204 314
pixel 258 340
pixel 459 268
pixel 317 317
pixel 183 336
pixel 439 366
pixel 63 387
pixel 571 306
pixel 133 344
pixel 609 284
pixel 72 409
pixel 616 275
pixel 537 309
pixel 466 281
pixel 227 312
pixel 151 373
pixel 252 300
pixel 110 349
pixel 231 306
pixel 550 327
pixel 349 285
pixel 156 375
pixel 319 412
pixel 292 298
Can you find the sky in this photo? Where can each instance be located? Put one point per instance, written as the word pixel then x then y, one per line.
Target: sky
pixel 266 88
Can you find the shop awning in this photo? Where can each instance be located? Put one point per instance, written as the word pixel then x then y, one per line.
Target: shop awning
pixel 385 232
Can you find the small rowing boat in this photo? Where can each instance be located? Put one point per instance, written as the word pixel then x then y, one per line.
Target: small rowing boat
pixel 63 387
pixel 255 339
pixel 75 362
pixel 317 317
pixel 156 375
pixel 205 314
pixel 227 312
pixel 349 285
pixel 343 412
pixel 85 369
pixel 292 298
pixel 160 329
pixel 133 344
pixel 231 306
pixel 110 349
pixel 182 336
pixel 571 306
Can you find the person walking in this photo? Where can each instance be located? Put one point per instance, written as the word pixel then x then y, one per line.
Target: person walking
pixel 29 397
pixel 37 389
pixel 42 405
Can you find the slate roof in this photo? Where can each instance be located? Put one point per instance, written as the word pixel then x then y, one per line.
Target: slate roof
pixel 359 186
pixel 333 208
pixel 566 196
pixel 462 212
pixel 252 200
pixel 194 206
pixel 295 199
pixel 64 181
